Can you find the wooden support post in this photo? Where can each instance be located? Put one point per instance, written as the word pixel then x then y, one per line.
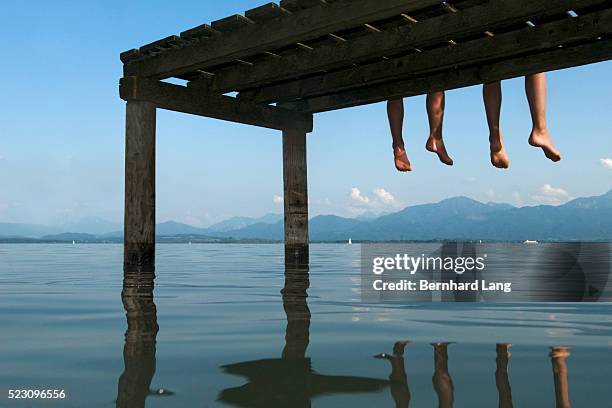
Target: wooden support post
pixel 296 197
pixel 139 221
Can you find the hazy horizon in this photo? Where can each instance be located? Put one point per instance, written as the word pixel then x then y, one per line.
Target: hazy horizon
pixel 369 213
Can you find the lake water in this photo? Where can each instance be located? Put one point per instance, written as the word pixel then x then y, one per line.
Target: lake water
pixel 218 332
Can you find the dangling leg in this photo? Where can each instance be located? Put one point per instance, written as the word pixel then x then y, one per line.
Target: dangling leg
pixel 395 112
pixel 492 96
pixel 535 88
pixel 435 114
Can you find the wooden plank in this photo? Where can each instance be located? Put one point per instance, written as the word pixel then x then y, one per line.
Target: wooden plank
pixel 296 5
pixel 139 221
pixel 257 38
pixel 169 42
pixel 129 55
pixel 425 33
pixel 231 23
pixel 486 49
pixel 295 187
pixel 266 12
pixel 191 100
pixel 558 58
pixel 199 32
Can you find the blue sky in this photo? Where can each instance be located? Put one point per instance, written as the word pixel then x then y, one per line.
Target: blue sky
pixel 62 141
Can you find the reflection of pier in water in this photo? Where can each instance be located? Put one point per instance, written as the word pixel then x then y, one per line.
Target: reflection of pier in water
pixel 290 379
pixel 140 342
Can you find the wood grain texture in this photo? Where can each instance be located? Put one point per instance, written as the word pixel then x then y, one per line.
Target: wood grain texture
pixel 523 65
pixel 139 221
pixel 253 39
pixel 266 12
pixel 295 193
pixel 424 34
pixel 503 46
pixel 194 101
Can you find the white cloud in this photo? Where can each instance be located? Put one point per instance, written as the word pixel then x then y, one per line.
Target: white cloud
pixel 551 195
pixel 380 200
pixel 549 190
pixel 517 199
pixel 384 196
pixel 491 194
pixel 606 162
pixel 277 199
pixel 357 196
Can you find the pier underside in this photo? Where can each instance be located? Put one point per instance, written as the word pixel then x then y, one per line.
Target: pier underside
pixel 284 62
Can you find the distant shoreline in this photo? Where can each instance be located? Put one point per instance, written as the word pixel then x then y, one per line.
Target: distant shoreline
pixel 169 240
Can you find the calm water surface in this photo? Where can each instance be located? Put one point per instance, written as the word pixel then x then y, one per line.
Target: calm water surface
pixel 218 332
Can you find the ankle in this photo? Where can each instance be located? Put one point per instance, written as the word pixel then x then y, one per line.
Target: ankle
pixel 435 133
pixel 540 129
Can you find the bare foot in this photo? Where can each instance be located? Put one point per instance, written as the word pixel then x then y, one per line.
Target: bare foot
pixel 436 145
pixel 560 352
pixel 401 159
pixel 499 158
pixel 541 139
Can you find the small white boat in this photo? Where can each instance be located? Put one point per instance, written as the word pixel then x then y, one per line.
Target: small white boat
pixel 73 242
pixel 350 242
pixel 529 241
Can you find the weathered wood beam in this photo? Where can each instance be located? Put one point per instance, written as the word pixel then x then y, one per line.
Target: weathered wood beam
pixel 266 12
pixel 528 40
pixel 187 100
pixel 559 58
pixel 295 187
pixel 200 32
pixel 139 215
pixel 295 5
pixel 257 38
pixel 231 23
pixel 437 30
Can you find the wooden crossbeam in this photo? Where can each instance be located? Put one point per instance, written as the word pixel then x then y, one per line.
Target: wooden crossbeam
pixel 257 38
pixel 506 45
pixel 295 5
pixel 266 12
pixel 471 21
pixel 182 99
pixel 199 32
pixel 558 58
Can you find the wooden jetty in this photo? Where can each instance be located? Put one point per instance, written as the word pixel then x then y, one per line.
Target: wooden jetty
pixel 281 63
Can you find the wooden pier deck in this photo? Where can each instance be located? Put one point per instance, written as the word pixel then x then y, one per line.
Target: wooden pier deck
pixel 284 62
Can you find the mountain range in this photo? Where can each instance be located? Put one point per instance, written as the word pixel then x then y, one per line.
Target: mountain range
pixel 457 218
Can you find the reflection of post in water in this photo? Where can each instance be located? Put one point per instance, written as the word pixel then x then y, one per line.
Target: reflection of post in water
pixel 296 309
pixel 501 375
pixel 398 378
pixel 558 355
pixel 290 381
pixel 139 350
pixel 442 382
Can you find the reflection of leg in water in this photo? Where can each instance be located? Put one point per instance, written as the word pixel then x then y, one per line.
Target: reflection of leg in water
pixel 139 350
pixel 501 375
pixel 297 311
pixel 398 379
pixel 442 382
pixel 558 355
